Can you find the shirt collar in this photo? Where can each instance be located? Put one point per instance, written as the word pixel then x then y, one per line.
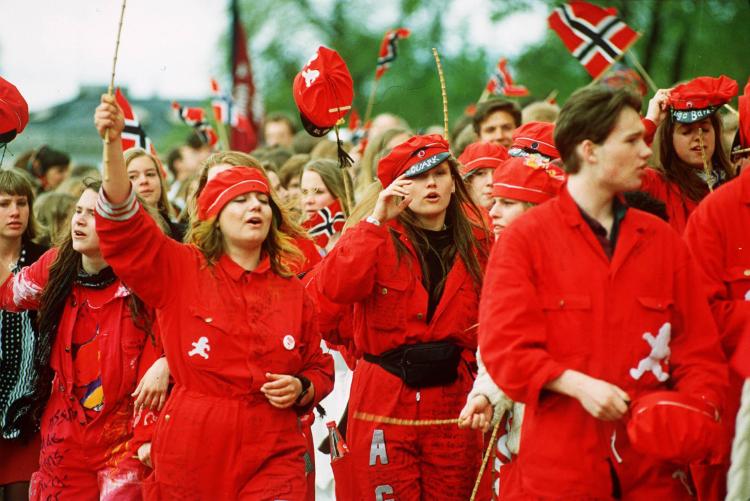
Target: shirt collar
pixel 235 271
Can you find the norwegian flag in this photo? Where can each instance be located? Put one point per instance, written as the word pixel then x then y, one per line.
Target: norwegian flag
pixel 501 83
pixel 594 35
pixel 388 50
pixel 225 112
pixel 133 136
pixel 244 133
pixel 325 223
pixel 196 118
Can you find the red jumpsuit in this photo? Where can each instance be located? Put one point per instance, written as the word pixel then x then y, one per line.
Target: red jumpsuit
pixel 552 301
pixel 88 454
pixel 223 329
pixel 717 234
pixel 679 207
pixel 401 462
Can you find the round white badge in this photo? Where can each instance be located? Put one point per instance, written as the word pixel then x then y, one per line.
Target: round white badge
pixel 289 342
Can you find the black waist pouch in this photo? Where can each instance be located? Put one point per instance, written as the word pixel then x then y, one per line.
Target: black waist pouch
pixel 421 365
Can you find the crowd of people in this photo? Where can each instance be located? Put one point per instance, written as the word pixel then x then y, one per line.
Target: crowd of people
pixel 563 287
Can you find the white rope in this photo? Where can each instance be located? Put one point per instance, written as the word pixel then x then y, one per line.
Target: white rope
pixel 738 480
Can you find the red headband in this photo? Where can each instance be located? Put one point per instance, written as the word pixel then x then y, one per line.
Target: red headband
pixel 227 185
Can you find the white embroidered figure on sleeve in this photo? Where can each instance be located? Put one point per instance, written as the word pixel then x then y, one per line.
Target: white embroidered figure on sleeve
pixel 25 289
pixel 659 351
pixel 200 348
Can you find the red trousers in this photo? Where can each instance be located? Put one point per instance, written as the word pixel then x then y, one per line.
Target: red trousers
pixel 209 447
pixel 410 463
pixel 86 461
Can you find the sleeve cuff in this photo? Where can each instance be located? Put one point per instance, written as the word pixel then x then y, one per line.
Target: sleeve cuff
pixel 117 212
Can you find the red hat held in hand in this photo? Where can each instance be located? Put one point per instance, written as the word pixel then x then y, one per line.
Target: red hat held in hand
pixel 416 155
pixel 227 185
pixel 14 112
pixel 526 180
pixel 534 137
pixel 481 155
pixel 700 98
pixel 323 91
pixel 744 110
pixel 674 426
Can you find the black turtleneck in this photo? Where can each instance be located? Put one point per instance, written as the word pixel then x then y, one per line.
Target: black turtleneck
pixel 436 264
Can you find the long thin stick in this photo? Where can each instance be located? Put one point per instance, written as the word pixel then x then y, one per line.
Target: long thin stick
pixel 740 152
pixel 371 102
pixel 373 418
pixel 484 96
pixel 442 91
pixel 551 96
pixel 111 88
pixel 490 448
pixel 634 60
pixel 706 164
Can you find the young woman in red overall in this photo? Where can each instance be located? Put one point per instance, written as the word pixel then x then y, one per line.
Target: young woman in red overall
pixel 413 271
pixel 238 329
pixel 95 340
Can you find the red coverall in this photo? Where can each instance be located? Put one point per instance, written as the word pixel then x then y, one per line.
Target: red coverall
pixel 552 301
pixel 401 462
pixel 679 206
pixel 717 234
pixel 223 329
pixel 82 459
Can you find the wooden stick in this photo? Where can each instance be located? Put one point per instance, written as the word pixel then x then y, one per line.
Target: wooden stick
pixel 221 130
pixel 373 418
pixel 111 88
pixel 730 108
pixel 706 166
pixel 634 60
pixel 484 96
pixel 443 92
pixel 740 152
pixel 370 102
pixel 490 448
pixel 551 96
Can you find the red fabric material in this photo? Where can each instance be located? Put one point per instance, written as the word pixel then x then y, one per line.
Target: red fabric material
pixel 310 252
pixel 325 223
pixel 542 313
pixel 390 305
pixel 525 180
pixel 245 97
pixel 223 329
pixel 77 454
pixel 134 136
pixel 388 50
pixel 413 151
pixel 323 89
pixel 18 460
pixel 501 82
pixel 703 92
pixel 481 155
pixel 227 185
pixel 14 112
pixel 648 135
pixel 743 109
pixel 539 136
pixel 679 207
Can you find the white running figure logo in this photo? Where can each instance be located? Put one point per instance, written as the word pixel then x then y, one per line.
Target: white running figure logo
pixel 310 76
pixel 200 348
pixel 659 351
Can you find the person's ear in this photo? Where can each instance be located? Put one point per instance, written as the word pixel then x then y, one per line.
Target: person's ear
pixel 587 150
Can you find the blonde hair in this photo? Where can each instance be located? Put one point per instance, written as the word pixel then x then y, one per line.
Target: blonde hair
pixel 163 205
pixel 375 150
pixel 53 210
pixel 333 177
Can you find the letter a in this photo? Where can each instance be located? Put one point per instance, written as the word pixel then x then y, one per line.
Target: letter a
pixel 377 448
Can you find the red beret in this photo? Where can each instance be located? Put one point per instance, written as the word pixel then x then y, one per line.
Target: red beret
pixel 323 91
pixel 699 98
pixel 481 155
pixel 674 426
pixel 536 137
pixel 227 185
pixel 14 112
pixel 416 155
pixel 744 110
pixel 526 179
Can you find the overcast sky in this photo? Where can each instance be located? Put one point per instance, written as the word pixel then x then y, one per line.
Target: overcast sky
pixel 169 48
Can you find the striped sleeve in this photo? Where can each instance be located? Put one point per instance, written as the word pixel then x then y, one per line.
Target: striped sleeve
pixel 117 212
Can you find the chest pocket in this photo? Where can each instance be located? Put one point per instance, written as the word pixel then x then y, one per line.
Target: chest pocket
pixel 215 338
pixel 738 279
pixel 655 311
pixel 568 323
pixel 386 308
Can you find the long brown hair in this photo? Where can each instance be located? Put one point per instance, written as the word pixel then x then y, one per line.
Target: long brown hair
pixel 164 206
pixel 462 226
pixel 333 178
pixel 682 174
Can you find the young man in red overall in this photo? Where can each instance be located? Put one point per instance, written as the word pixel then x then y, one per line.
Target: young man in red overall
pixel 588 304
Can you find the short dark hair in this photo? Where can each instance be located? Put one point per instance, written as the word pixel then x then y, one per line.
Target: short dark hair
pixel 590 113
pixel 487 108
pixel 172 158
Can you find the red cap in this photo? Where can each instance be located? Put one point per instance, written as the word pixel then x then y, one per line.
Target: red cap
pixel 536 136
pixel 526 179
pixel 14 112
pixel 674 426
pixel 744 110
pixel 416 155
pixel 481 155
pixel 699 98
pixel 323 91
pixel 227 185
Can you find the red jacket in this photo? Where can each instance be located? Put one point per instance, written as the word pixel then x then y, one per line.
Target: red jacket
pixel 390 303
pixel 553 301
pixel 679 206
pixel 126 351
pixel 223 328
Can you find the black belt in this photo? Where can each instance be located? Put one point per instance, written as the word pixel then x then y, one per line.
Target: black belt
pixel 421 365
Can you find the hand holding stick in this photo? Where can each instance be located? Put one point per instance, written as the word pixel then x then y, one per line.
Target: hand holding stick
pixel 111 88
